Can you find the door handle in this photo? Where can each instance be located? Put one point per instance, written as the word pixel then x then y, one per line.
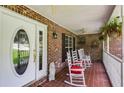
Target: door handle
pixel 34 54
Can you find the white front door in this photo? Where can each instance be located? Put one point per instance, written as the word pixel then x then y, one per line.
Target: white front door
pixel 18 43
pixel 41 51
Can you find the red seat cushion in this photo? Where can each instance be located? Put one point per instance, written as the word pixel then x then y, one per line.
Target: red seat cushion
pixel 76 67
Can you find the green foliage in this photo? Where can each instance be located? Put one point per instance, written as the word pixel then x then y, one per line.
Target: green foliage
pixel 110 28
pixel 23 55
pixel 102 37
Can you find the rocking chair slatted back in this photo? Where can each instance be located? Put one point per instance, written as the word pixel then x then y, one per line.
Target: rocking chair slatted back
pixel 74 56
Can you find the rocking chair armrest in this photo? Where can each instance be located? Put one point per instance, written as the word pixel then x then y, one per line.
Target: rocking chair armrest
pixel 78 63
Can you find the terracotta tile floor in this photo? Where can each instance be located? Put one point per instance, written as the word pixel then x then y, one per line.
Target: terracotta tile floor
pixel 95 77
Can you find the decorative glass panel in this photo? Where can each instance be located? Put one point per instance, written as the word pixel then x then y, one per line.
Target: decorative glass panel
pixel 40 49
pixel 21 51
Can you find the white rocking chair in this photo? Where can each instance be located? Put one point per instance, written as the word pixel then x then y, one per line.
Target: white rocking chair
pixel 76 59
pixel 84 57
pixel 76 73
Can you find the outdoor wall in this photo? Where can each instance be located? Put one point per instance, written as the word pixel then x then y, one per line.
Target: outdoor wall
pixel 54 45
pixel 91 45
pixel 112 54
pixel 115 42
pixel 113 69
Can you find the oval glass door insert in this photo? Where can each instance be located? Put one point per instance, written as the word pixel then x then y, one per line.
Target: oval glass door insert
pixel 21 51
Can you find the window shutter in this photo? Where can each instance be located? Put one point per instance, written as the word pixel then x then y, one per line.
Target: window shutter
pixel 63 48
pixel 73 43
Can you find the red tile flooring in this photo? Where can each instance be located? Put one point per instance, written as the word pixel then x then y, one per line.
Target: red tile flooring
pixel 95 77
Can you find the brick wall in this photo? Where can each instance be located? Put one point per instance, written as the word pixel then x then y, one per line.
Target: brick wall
pixel 115 46
pixel 91 46
pixel 54 45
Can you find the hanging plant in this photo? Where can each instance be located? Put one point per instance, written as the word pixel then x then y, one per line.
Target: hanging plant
pixel 113 28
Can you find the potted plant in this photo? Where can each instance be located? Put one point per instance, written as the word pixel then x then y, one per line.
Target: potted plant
pixel 113 28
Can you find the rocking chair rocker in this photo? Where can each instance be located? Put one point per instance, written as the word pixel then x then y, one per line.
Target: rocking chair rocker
pixel 76 73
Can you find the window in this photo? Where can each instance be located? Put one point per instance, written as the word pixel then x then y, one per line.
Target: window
pixel 21 51
pixel 68 43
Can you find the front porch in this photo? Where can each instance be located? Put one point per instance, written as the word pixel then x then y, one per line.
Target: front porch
pixel 43 42
pixel 96 76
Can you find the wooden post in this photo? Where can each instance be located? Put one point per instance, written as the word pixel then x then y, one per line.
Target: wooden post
pixel 122 64
pixel 107 44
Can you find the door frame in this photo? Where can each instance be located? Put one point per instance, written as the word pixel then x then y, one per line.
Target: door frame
pixel 42 73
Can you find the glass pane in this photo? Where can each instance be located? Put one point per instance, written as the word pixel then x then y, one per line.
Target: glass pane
pixel 66 41
pixel 40 49
pixel 21 51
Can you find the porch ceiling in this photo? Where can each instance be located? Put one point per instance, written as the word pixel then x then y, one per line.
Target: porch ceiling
pixel 80 19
